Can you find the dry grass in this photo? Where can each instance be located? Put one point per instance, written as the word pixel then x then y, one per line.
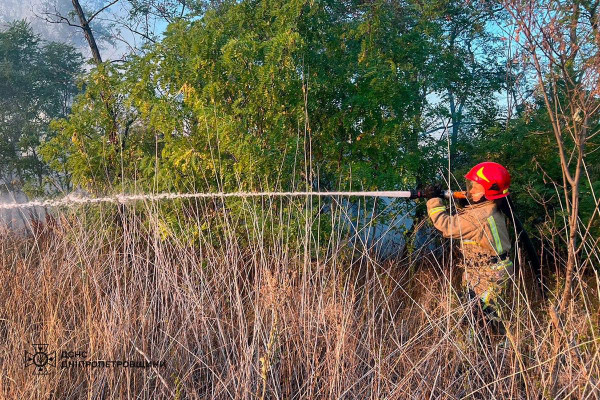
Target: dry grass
pixel 243 309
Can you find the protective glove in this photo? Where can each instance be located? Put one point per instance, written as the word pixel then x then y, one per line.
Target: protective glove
pixel 432 191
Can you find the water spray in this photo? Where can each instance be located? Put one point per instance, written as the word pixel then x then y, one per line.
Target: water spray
pixel 78 199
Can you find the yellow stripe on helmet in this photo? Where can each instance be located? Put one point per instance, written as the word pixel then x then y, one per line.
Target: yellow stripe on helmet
pixel 481 175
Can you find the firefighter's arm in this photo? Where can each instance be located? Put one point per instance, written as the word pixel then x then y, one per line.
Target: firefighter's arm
pixel 455 226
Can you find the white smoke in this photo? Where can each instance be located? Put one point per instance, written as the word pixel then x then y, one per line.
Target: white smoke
pixel 33 10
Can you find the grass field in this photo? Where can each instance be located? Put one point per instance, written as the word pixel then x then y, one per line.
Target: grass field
pixel 238 308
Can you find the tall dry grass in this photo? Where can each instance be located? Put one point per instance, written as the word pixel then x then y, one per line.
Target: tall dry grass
pixel 244 309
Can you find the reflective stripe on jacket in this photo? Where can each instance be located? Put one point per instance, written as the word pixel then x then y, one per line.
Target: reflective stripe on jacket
pixel 480 224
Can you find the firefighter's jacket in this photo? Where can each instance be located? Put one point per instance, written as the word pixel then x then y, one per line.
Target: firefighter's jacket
pixel 480 224
pixel 485 244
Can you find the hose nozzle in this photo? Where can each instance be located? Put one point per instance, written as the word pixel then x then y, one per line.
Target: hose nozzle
pixel 429 193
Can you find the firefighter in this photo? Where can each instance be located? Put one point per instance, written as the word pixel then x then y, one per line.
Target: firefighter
pixel 484 239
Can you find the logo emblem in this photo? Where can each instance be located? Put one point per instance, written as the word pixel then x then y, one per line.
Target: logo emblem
pixel 41 358
pixel 481 175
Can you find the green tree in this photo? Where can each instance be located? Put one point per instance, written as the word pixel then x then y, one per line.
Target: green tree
pixel 37 84
pixel 470 75
pixel 267 93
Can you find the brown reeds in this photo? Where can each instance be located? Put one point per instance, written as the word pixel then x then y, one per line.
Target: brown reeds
pixel 254 306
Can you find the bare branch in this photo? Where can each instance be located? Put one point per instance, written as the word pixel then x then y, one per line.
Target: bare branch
pixel 90 19
pixel 60 18
pixel 132 30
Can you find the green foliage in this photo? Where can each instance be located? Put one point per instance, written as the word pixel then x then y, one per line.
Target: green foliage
pixel 37 83
pixel 278 95
pixel 88 145
pixel 528 149
pixel 267 94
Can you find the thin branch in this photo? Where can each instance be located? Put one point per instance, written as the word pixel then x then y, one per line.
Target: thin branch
pixel 462 123
pixel 102 9
pixel 183 4
pixel 132 30
pixel 61 19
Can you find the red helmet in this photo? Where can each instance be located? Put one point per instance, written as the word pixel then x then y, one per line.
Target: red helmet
pixel 494 178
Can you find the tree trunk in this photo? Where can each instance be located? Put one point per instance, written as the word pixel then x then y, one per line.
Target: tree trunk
pixel 89 36
pixel 455 127
pixel 572 249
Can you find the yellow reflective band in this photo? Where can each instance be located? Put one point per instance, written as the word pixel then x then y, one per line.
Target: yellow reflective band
pixel 436 210
pixel 469 242
pixel 485 297
pixel 494 230
pixel 502 265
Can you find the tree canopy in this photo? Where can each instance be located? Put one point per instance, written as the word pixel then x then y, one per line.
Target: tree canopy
pixel 277 93
pixel 283 95
pixel 37 84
